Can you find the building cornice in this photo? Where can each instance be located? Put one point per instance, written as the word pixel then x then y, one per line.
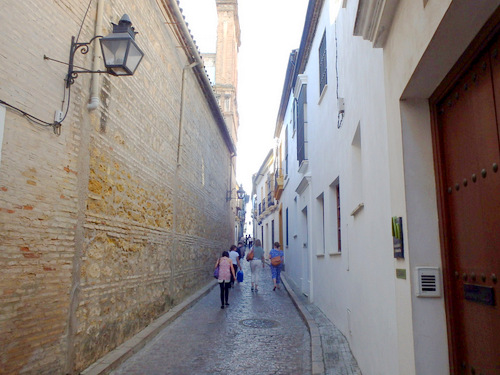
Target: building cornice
pixel 374 20
pixel 312 18
pixel 287 89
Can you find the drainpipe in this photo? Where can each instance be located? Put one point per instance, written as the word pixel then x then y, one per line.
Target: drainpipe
pixel 182 108
pixel 183 34
pixel 97 61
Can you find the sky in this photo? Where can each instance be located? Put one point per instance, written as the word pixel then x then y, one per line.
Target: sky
pixel 270 30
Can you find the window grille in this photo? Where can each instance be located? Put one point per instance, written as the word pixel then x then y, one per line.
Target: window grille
pixel 322 64
pixel 301 121
pixel 286 225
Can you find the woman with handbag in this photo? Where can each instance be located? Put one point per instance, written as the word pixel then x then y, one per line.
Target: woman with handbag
pixel 256 259
pixel 276 257
pixel 226 270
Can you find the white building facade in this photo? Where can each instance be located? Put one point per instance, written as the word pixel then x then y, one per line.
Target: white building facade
pixel 370 208
pixel 265 210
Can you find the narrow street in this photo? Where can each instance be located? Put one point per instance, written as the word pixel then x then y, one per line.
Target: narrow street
pixel 264 332
pixel 258 333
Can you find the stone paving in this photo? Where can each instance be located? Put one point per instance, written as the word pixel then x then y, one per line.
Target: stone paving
pixel 258 333
pixel 264 332
pixel 331 354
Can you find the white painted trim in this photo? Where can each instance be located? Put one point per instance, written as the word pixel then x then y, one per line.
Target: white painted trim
pixel 322 94
pixel 357 209
pixel 301 81
pixel 304 183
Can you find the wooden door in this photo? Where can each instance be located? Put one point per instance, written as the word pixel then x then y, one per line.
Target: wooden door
pixel 468 155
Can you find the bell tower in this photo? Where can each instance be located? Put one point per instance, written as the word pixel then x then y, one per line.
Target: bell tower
pixel 226 63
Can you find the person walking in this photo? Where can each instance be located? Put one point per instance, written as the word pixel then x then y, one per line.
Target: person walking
pixel 235 258
pixel 255 263
pixel 276 258
pixel 226 272
pixel 241 249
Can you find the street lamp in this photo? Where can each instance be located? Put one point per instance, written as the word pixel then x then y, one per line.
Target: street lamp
pixel 121 53
pixel 240 194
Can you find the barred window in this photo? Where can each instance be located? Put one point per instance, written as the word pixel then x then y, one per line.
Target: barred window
pixel 322 64
pixel 301 125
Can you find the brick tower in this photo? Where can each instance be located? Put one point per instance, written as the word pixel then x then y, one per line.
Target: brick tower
pixel 226 62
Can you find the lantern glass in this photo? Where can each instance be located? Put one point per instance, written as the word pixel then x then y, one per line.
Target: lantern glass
pixel 121 54
pixel 134 56
pixel 241 194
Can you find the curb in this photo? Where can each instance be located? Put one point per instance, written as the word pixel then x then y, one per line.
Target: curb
pixel 119 355
pixel 317 359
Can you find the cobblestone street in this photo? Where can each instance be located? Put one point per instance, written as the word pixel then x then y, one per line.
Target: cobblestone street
pixel 259 333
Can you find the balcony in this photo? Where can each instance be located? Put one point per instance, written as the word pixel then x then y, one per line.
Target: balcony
pixel 278 184
pixel 270 200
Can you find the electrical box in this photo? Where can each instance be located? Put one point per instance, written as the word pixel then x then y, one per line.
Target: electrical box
pixel 341 105
pixel 428 281
pixel 58 116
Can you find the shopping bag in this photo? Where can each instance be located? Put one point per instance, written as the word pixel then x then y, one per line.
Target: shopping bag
pixel 239 276
pixel 250 256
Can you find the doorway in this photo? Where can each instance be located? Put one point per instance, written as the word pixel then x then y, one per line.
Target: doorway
pixel 467 154
pixel 306 277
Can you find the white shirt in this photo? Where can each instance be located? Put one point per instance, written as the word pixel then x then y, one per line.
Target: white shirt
pixel 234 255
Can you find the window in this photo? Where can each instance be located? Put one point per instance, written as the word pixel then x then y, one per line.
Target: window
pixel 294 117
pixel 322 64
pixel 356 192
pixel 286 151
pixel 272 232
pixel 286 226
pixel 302 125
pixel 334 219
pixel 339 230
pixel 320 233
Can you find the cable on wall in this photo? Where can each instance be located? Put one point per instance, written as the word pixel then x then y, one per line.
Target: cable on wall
pixel 56 125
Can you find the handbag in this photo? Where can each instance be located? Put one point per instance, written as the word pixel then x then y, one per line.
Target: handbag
pixel 216 270
pixel 239 276
pixel 276 261
pixel 250 256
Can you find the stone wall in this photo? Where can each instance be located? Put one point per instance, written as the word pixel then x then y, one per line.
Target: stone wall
pixel 101 230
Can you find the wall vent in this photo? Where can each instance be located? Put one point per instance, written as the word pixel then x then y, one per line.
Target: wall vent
pixel 428 282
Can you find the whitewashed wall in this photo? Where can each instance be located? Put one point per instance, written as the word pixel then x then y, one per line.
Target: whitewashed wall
pixel 429 26
pixel 381 156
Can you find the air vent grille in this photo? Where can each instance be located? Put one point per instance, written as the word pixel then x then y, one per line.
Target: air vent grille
pixel 429 284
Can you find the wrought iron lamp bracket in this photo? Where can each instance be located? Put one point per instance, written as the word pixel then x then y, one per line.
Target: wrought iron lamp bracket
pixel 84 49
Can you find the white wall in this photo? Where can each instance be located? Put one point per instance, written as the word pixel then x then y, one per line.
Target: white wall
pixel 270 214
pixel 290 201
pixel 382 157
pixel 417 37
pixel 359 280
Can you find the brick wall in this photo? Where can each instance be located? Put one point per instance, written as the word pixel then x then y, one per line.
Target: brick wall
pixel 100 230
